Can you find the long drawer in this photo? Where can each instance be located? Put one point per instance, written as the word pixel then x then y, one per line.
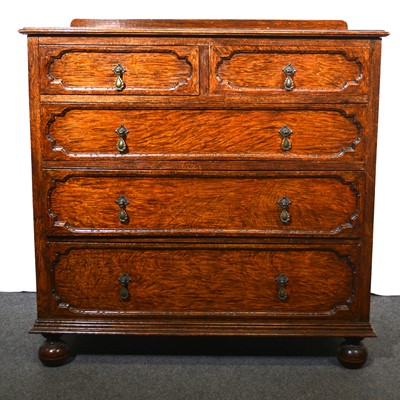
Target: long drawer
pixel 325 133
pixel 156 203
pixel 269 280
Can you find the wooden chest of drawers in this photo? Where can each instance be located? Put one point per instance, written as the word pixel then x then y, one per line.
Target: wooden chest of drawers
pixel 204 178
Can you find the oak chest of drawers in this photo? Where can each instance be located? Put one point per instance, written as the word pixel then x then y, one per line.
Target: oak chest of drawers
pixel 204 178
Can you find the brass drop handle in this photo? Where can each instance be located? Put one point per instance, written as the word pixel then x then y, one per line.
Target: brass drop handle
pixel 119 83
pixel 124 292
pixel 122 214
pixel 121 144
pixel 289 71
pixel 284 202
pixel 285 132
pixel 282 280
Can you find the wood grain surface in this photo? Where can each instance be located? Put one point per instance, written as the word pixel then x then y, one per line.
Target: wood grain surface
pixel 148 70
pixel 209 24
pixel 322 134
pixel 206 281
pixel 203 172
pixel 259 68
pixel 207 28
pixel 207 205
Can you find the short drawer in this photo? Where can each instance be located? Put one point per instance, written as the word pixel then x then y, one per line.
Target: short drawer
pixel 266 280
pixel 147 70
pixel 152 203
pixel 321 133
pixel 289 69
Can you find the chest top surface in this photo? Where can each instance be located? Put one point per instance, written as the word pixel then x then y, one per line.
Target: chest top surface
pixel 201 27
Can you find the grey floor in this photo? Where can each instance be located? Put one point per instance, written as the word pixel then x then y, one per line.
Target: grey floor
pixel 190 368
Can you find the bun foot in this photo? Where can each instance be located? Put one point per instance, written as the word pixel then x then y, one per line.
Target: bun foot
pixel 54 352
pixel 352 353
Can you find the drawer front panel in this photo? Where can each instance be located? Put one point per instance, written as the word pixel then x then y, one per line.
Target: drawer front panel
pixel 123 280
pixel 289 69
pixel 207 205
pixel 322 134
pixel 144 70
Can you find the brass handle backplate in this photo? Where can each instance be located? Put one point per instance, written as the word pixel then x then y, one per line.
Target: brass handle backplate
pixel 289 71
pixel 119 84
pixel 285 132
pixel 282 280
pixel 122 214
pixel 284 202
pixel 124 292
pixel 121 144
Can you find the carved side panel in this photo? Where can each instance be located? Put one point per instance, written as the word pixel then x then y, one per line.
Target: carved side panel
pixel 204 280
pixel 143 70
